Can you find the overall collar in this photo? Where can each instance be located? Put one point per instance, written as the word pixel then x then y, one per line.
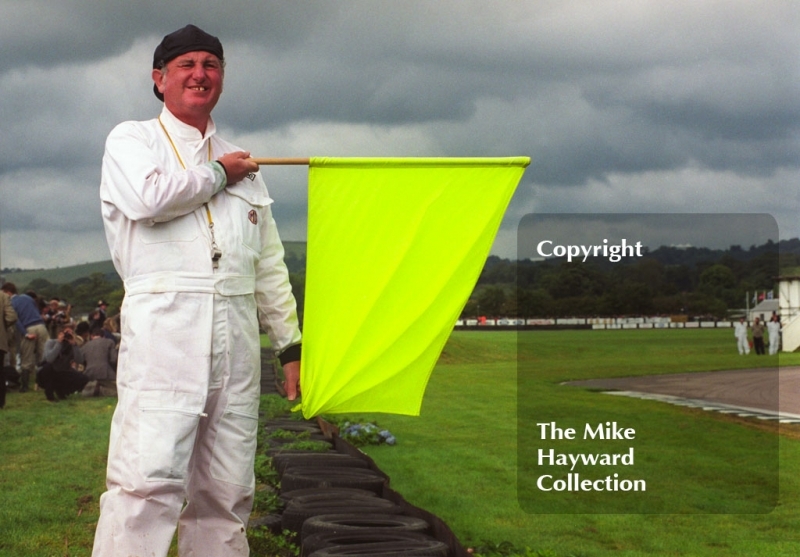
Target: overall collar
pixel 185 132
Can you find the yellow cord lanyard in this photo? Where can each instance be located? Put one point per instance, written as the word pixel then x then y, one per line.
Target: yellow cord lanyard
pixel 216 253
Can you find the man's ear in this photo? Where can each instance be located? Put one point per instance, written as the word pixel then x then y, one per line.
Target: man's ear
pixel 158 79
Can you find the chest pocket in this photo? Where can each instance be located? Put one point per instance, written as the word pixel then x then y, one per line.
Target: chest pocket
pixel 181 229
pixel 251 198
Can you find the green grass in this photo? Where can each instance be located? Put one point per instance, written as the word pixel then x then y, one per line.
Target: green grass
pixel 458 460
pixel 52 463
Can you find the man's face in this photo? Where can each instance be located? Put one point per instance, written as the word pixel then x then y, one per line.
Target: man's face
pixel 191 84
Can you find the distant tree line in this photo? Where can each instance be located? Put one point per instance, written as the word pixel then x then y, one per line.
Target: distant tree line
pixel 666 281
pixel 82 294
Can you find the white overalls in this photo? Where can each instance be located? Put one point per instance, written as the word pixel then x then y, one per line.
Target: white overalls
pixel 774 329
pixel 740 332
pixel 184 430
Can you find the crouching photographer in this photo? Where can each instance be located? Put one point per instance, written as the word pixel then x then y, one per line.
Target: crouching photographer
pixel 59 375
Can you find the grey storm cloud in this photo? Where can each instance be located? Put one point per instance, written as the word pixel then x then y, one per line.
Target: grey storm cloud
pixel 623 105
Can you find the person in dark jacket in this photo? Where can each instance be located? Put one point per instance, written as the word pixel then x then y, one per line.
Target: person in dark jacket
pixel 100 355
pixel 59 373
pixel 7 318
pixel 33 333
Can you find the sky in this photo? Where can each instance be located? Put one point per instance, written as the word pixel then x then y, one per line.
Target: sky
pixel 540 235
pixel 623 106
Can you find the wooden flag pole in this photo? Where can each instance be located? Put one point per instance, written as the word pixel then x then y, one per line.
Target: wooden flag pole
pixel 279 161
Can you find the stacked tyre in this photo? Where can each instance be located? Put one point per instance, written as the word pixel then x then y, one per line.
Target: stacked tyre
pixel 293 429
pixel 333 504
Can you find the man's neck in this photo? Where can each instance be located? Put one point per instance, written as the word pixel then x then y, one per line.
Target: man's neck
pixel 199 122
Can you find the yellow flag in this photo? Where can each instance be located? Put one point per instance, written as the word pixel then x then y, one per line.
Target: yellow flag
pixel 395 247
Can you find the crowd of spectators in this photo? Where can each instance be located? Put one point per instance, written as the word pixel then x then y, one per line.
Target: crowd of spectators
pixel 59 353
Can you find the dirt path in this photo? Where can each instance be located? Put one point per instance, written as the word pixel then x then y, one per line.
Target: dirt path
pixel 767 389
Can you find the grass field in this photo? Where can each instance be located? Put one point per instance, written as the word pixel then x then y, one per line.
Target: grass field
pixel 459 458
pixel 52 464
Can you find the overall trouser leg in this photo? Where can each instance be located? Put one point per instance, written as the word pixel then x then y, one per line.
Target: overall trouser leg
pixel 162 386
pixel 139 511
pixel 222 483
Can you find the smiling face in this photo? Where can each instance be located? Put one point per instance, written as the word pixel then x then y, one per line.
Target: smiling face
pixel 191 84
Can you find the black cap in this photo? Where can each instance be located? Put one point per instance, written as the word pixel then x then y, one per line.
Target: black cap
pixel 188 39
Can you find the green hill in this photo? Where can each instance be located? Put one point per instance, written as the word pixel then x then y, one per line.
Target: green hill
pixel 63 275
pixel 66 275
pixel 297 249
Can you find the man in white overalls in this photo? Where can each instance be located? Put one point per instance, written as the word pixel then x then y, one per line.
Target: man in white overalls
pixel 774 330
pixel 188 222
pixel 740 332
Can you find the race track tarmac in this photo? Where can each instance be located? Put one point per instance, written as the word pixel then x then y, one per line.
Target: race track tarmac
pixel 768 389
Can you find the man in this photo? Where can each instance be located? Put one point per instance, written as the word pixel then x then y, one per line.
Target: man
pixel 59 374
pixel 32 331
pixel 100 354
pixel 7 318
pixel 774 330
pixel 758 336
pixel 82 333
pixel 740 332
pixel 189 226
pixel 98 316
pixel 49 315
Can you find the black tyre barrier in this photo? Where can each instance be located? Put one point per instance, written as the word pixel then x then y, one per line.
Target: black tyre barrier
pixel 323 540
pixel 439 529
pixel 277 451
pixel 282 462
pixel 297 435
pixel 432 548
pixel 290 419
pixel 276 443
pixel 297 482
pixel 287 419
pixel 325 492
pixel 348 522
pixel 270 521
pixel 297 427
pixel 319 493
pixel 321 476
pixel 298 511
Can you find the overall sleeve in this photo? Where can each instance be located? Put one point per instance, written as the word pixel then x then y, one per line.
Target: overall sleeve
pixel 139 185
pixel 276 303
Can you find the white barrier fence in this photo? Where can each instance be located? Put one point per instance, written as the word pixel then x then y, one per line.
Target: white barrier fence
pixel 598 323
